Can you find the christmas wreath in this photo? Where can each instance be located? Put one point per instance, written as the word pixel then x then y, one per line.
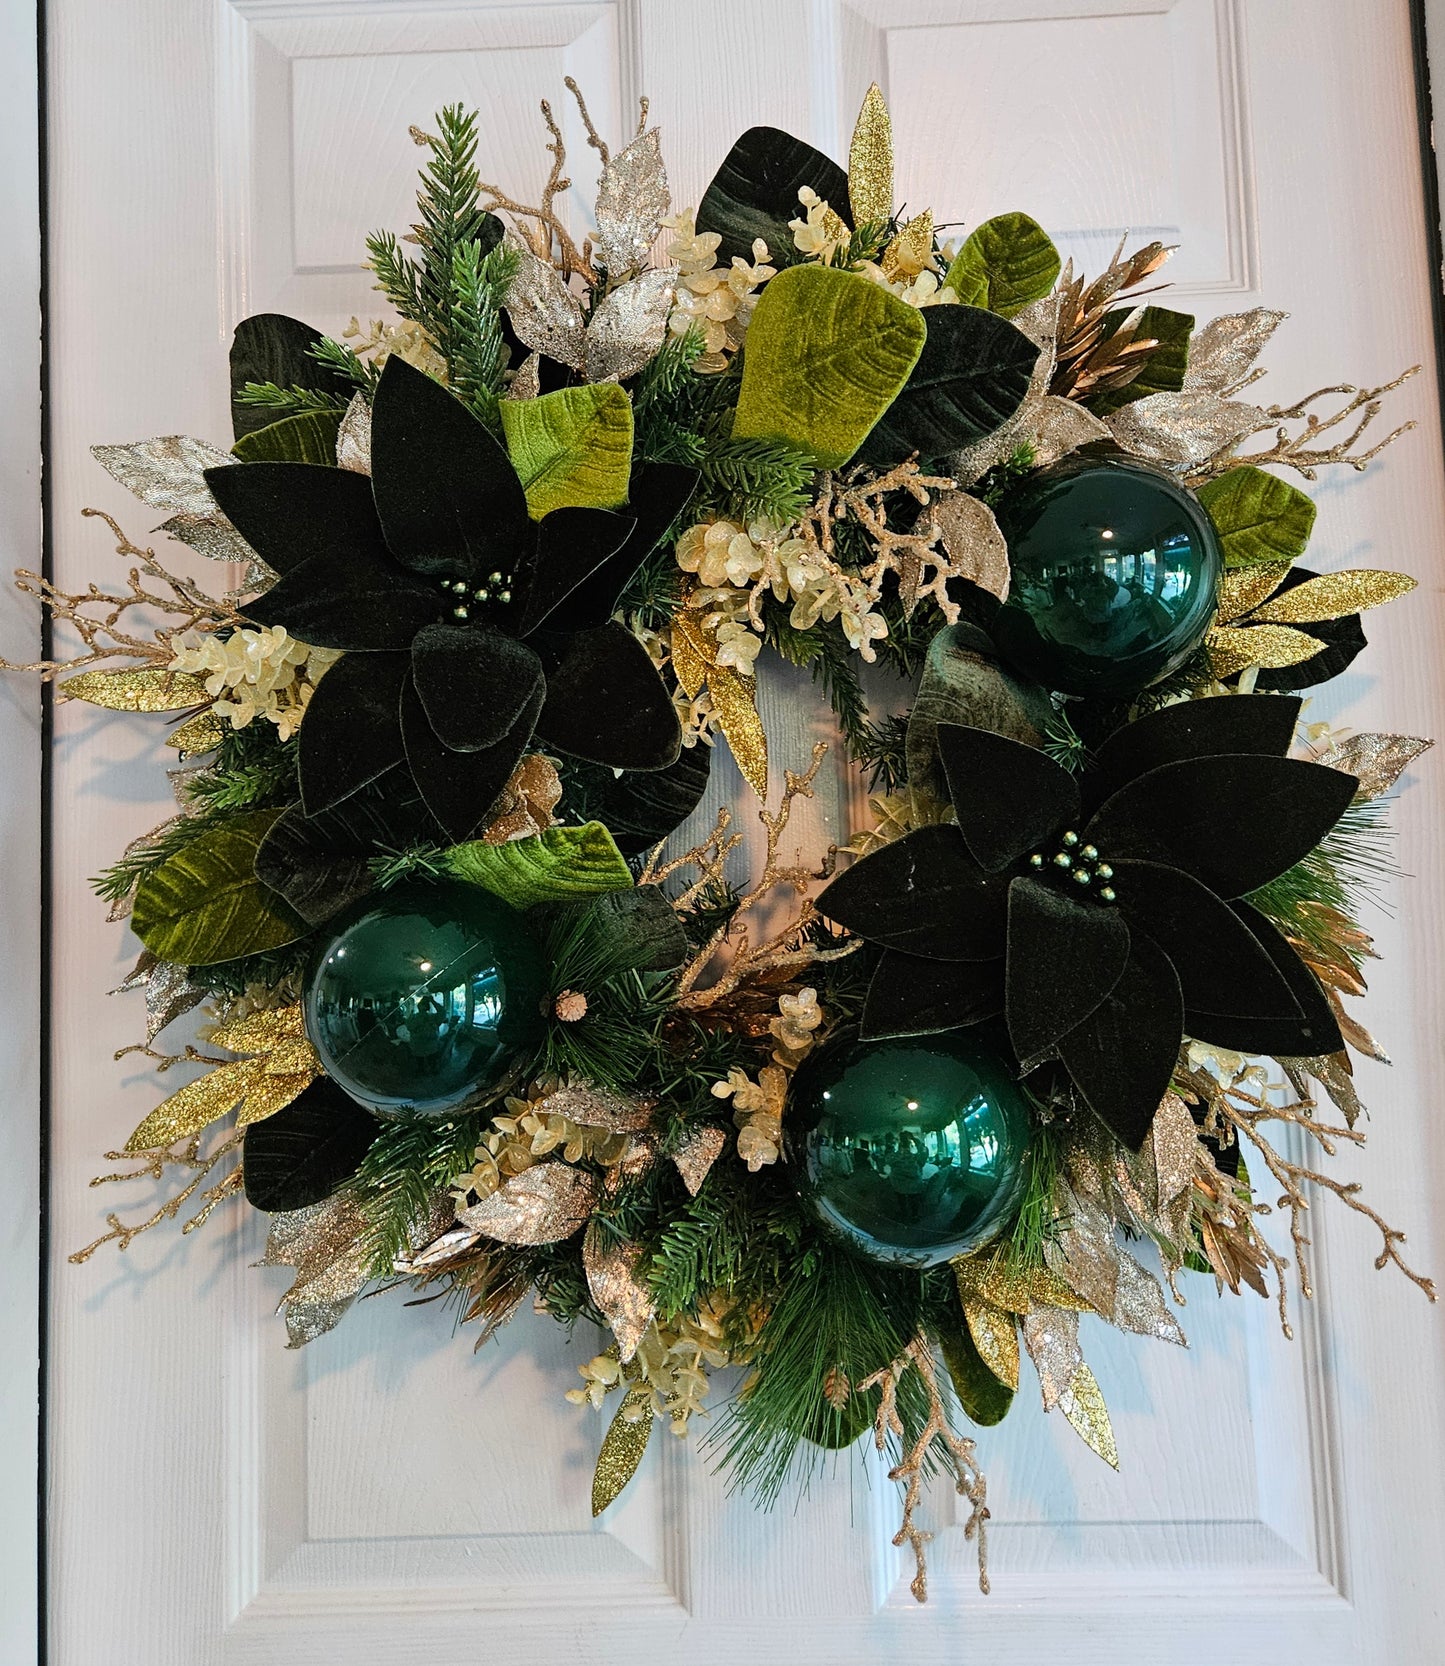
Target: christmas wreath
pixel 469 1016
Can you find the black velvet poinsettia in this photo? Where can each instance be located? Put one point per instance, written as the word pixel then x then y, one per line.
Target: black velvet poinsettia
pixel 1104 914
pixel 468 627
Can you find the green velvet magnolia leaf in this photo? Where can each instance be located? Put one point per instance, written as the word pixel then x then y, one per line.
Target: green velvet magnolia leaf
pixel 571 448
pixel 828 352
pixel 309 437
pixel 970 378
pixel 562 863
pixel 1004 265
pixel 270 347
pixel 985 1400
pixel 303 1152
pixel 755 194
pixel 205 903
pixel 1258 516
pixel 1164 369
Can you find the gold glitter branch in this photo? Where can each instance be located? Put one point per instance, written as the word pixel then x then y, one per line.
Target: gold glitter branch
pixel 861 496
pixel 99 617
pixel 1301 451
pixel 547 225
pixel 937 1437
pixel 153 1166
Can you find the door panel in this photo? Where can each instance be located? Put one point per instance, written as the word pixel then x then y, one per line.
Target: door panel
pixel 385 1494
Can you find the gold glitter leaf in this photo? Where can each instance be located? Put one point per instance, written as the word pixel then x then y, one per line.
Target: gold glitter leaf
pixel 270 1093
pixel 593 1108
pixel 1232 648
pixel 149 688
pixel 195 1106
pixel 292 1057
pixel 622 1298
pixel 1083 1404
pixel 622 1450
pixel 542 1205
pixel 975 546
pixel 870 160
pixel 1376 761
pixel 995 1335
pixel 1243 588
pixel 911 250
pixel 737 717
pixel 259 1032
pixel 697 1154
pixel 201 733
pixel 693 652
pixel 1015 1289
pixel 1333 595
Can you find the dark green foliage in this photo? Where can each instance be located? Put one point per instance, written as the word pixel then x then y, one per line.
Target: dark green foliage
pixel 993 487
pixel 288 401
pixel 407 1164
pixel 1162 370
pixel 303 1152
pixel 1064 744
pixel 337 356
pixel 478 346
pixel 756 479
pixel 275 969
pixel 881 752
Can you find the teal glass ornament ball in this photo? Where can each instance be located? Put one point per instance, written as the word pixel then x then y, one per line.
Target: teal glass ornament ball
pixel 1115 572
pixel 421 996
pixel 910 1151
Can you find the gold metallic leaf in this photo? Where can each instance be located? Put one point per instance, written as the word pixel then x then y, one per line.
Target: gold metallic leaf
pixel 632 197
pixel 1360 1039
pixel 270 1092
pixel 989 1278
pixel 201 733
pixel 259 1032
pixel 1377 761
pixel 1083 1404
pixel 195 1106
pixel 870 160
pixel 693 652
pixel 1244 588
pixel 541 1205
pixel 149 688
pixel 1234 647
pixel 595 1108
pixel 622 1449
pixel 995 1334
pixel 292 1057
pixel 911 250
pixel 733 700
pixel 1333 595
pixel 697 1154
pixel 975 546
pixel 622 1298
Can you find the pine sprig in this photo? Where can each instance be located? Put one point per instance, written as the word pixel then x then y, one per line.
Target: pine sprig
pixel 756 479
pixel 407 1165
pixel 292 401
pixel 478 347
pixel 337 356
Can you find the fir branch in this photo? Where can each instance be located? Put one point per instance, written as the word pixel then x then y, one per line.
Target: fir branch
pixel 337 356
pixel 882 752
pixel 826 652
pixel 407 1165
pixel 756 480
pixel 478 347
pixel 289 401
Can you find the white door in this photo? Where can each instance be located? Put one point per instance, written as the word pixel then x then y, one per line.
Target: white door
pixel 384 1496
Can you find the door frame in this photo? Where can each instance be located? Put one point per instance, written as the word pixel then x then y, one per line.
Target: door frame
pixel 25 798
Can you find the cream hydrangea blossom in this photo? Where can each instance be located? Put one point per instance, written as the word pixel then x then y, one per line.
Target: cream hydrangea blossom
pixel 820 232
pixel 255 673
pixel 406 340
pixel 717 301
pixel 819 235
pixel 670 1367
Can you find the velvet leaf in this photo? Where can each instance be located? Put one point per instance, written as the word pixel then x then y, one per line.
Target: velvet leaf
pixel 641 806
pixel 658 494
pixel 605 701
pixel 755 194
pixel 572 448
pixel 572 545
pixel 303 1152
pixel 307 437
pixel 270 347
pixel 460 788
pixel 357 600
pixel 908 995
pixel 1316 1031
pixel 352 730
pixel 290 513
pixel 474 682
pixel 1009 798
pixel 1064 957
pixel 1192 729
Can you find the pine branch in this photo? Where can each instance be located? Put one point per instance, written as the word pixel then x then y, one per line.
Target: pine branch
pixel 478 347
pixel 337 356
pixel 292 400
pixel 406 1166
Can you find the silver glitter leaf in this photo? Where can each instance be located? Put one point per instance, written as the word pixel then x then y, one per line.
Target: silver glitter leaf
pixel 1040 323
pixel 306 1319
pixel 526 383
pixel 628 329
pixel 1051 1335
pixel 1176 1149
pixel 353 437
pixel 169 993
pixel 1183 430
pixel 1084 1253
pixel 1139 1304
pixel 541 1205
pixel 697 1154
pixel 632 197
pixel 1378 761
pixel 1222 353
pixel 139 975
pixel 544 312
pixel 451 1242
pixel 1058 426
pixel 321 1243
pixel 166 472
pixel 594 1108
pixel 212 536
pixel 971 536
pixel 289 1232
pixel 621 1296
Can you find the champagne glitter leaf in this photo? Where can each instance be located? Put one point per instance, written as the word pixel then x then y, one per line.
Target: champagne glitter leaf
pixel 1333 595
pixel 622 1450
pixel 1376 760
pixel 622 1298
pixel 1051 1335
pixel 1182 430
pixel 733 703
pixel 1139 1304
pixel 697 1154
pixel 353 438
pixel 1083 1404
pixel 201 733
pixel 149 688
pixel 632 198
pixel 169 993
pixel 542 1205
pixel 543 311
pixel 996 1336
pixel 870 160
pixel 168 472
pixel 594 1108
pixel 628 329
pixel 1222 351
pixel 975 546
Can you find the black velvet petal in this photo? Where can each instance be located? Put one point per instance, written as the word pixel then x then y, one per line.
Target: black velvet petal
pixel 460 788
pixel 1192 729
pixel 658 495
pixel 1122 1056
pixel 270 347
pixel 1341 640
pixel 1220 963
pixel 290 512
pixel 353 600
pixel 909 995
pixel 640 806
pixel 351 732
pixel 307 1149
pixel 474 682
pixel 923 894
pixel 1064 957
pixel 449 499
pixel 571 545
pixel 1009 797
pixel 1235 821
pixel 606 702
pixel 1315 1032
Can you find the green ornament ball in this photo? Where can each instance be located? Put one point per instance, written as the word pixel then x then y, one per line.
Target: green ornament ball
pixel 910 1151
pixel 421 997
pixel 1115 571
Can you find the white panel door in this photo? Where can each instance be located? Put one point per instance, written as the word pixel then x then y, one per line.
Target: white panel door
pixel 385 1496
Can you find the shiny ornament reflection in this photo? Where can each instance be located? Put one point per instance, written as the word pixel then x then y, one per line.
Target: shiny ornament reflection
pixel 911 1151
pixel 421 997
pixel 1115 569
